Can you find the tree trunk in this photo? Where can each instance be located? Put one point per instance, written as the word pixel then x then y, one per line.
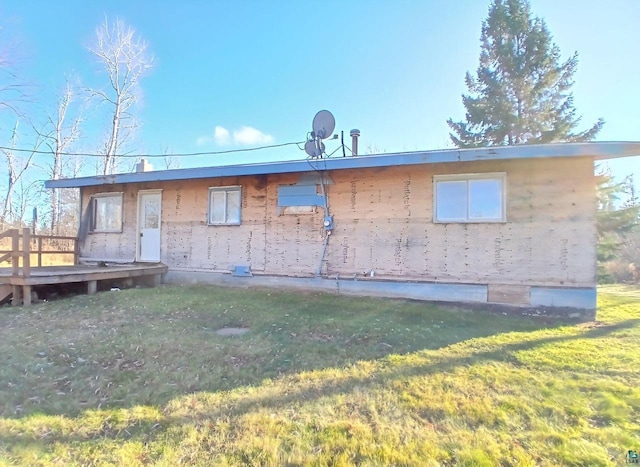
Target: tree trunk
pixel 109 160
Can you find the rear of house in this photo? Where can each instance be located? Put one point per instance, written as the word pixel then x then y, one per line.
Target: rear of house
pixel 504 225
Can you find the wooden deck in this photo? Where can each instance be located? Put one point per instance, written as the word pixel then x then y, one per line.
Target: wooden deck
pixel 21 286
pixel 18 280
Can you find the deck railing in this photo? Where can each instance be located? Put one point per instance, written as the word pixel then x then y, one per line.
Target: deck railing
pixel 24 245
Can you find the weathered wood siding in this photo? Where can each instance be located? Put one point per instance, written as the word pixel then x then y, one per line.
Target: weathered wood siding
pixel 111 245
pixel 384 223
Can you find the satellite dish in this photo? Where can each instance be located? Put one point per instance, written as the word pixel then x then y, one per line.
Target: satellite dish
pixel 310 148
pixel 313 149
pixel 323 124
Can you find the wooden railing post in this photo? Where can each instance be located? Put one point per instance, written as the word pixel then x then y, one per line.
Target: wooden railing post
pixel 15 252
pixel 20 251
pixel 26 252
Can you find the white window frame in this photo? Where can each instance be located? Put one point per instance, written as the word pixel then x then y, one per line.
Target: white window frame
pixel 94 211
pixel 496 176
pixel 226 190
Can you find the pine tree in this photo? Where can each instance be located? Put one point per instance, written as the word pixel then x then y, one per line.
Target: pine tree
pixel 521 93
pixel 617 216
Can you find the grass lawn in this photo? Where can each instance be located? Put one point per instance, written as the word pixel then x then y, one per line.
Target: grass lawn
pixel 141 377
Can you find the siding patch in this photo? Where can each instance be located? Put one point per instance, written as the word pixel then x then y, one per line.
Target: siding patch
pixel 509 294
pixel 299 195
pixel 407 195
pixel 498 254
pixel 345 250
pixel 564 254
pixel 558 297
pixel 353 196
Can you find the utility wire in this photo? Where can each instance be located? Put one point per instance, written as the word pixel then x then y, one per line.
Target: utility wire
pixel 190 154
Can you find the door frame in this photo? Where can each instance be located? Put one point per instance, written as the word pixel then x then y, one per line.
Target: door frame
pixel 139 226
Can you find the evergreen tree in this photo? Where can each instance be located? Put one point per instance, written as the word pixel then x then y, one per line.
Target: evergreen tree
pixel 617 216
pixel 521 93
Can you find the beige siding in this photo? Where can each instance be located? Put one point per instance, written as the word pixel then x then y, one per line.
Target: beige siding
pixel 111 245
pixel 384 223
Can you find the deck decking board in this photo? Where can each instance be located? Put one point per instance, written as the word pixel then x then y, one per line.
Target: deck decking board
pixel 51 275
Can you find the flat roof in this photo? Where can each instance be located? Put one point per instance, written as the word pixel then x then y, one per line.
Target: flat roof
pixel 595 150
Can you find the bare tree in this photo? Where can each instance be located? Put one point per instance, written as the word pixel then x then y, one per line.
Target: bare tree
pixel 126 59
pixel 60 136
pixel 7 208
pixel 170 162
pixel 13 92
pixel 373 148
pixel 68 200
pixel 17 190
pixel 14 188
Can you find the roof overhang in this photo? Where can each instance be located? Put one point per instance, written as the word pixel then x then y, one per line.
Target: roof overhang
pixel 594 150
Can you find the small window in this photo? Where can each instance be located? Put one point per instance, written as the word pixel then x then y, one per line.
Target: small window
pixel 224 205
pixel 469 198
pixel 106 212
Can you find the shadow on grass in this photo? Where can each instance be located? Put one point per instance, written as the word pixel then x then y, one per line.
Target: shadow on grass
pixel 302 391
pixel 333 387
pixel 125 355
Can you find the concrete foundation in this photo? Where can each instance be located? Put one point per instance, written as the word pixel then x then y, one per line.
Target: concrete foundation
pixel 568 303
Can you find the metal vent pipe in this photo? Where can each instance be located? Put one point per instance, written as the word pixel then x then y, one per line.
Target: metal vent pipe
pixel 354 141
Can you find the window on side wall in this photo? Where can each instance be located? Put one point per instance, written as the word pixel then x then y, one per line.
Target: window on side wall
pixel 469 198
pixel 106 212
pixel 224 205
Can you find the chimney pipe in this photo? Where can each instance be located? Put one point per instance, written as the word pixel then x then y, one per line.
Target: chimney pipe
pixel 354 141
pixel 143 166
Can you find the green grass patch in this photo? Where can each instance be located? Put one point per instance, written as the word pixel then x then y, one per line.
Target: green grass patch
pixel 141 377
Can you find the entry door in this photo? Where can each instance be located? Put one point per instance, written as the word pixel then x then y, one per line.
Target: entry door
pixel 149 209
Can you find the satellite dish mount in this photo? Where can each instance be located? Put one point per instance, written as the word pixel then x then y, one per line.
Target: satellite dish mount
pixel 322 128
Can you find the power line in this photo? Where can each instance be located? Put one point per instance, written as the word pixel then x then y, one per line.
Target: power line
pixel 190 154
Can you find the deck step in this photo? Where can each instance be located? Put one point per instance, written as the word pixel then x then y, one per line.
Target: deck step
pixel 5 291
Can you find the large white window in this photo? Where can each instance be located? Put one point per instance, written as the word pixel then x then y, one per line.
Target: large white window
pixel 469 198
pixel 106 212
pixel 224 205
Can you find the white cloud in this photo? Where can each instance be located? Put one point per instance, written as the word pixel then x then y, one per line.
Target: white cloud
pixel 248 135
pixel 202 140
pixel 221 136
pixel 243 136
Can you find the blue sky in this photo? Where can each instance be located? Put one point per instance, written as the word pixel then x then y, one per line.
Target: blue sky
pixel 261 70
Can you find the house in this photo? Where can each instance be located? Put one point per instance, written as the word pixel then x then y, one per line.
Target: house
pixel 501 225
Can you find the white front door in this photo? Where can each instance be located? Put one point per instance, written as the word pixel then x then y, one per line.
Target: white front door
pixel 149 210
